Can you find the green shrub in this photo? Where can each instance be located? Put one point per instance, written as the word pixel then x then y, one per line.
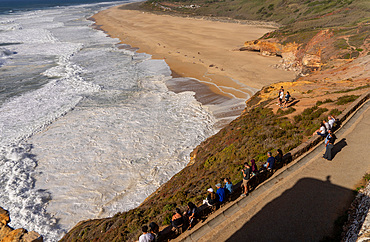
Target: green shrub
pixel 346 56
pixel 297 118
pixel 286 111
pixel 335 112
pixel 328 100
pixel 169 207
pixel 346 99
pixel 341 44
pixel 358 39
pixel 354 54
pixel 167 219
pixel 367 177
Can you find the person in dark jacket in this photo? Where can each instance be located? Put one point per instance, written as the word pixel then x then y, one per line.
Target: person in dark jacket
pixel 254 168
pixel 191 214
pixel 329 144
pixel 279 156
pixel 246 172
pixel 270 164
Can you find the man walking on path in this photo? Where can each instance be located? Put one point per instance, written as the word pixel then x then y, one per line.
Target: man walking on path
pixel 329 144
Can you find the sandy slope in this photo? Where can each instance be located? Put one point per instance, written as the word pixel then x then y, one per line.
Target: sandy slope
pixel 197 48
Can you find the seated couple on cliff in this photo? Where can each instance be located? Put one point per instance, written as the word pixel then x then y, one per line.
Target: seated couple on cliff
pixel 187 219
pixel 326 126
pixel 215 198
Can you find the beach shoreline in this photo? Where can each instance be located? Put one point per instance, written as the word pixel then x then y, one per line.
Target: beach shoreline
pixel 205 50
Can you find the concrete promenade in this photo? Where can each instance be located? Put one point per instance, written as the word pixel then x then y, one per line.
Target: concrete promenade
pixel 302 202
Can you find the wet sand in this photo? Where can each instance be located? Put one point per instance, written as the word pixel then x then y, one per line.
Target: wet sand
pixel 197 48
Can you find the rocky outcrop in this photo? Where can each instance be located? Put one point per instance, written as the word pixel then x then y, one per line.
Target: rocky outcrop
pixel 288 52
pixel 293 58
pixel 311 55
pixel 8 234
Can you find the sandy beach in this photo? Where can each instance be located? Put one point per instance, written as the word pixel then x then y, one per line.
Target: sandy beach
pixel 202 49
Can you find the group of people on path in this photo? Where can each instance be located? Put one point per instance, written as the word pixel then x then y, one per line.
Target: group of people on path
pixel 188 218
pixel 283 99
pixel 221 193
pixel 325 126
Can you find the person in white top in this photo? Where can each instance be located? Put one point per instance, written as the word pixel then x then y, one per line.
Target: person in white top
pixel 321 131
pixel 280 96
pixel 146 236
pixel 331 121
pixel 327 125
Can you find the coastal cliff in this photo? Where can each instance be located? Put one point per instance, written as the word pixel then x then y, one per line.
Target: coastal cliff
pixel 261 127
pixel 8 234
pixel 332 64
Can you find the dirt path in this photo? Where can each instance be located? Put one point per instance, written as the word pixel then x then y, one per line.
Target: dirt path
pixel 303 204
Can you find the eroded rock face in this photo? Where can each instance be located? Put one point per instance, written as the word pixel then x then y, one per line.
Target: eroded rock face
pixel 296 57
pixel 288 52
pixel 4 217
pixel 8 234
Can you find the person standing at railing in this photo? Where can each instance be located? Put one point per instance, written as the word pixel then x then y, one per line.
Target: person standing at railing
pixel 246 176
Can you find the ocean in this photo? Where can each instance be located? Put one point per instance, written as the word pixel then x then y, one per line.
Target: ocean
pixel 88 126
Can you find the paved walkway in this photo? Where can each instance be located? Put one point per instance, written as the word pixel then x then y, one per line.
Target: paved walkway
pixel 305 201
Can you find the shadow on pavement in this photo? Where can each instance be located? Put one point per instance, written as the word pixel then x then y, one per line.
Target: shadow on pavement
pixel 306 212
pixel 338 147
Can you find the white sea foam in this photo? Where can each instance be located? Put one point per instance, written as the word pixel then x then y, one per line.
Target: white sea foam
pixel 99 137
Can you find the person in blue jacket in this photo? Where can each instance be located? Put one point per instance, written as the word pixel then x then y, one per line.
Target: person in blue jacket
pixel 228 186
pixel 220 192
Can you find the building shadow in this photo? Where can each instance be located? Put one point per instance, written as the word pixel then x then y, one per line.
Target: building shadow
pixel 306 212
pixel 338 147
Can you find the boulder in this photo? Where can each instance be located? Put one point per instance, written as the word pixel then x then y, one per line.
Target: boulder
pixel 8 234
